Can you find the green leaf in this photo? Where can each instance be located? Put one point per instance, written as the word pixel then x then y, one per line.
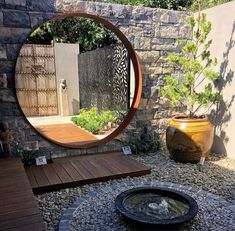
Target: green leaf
pixel 192 22
pixel 212 75
pixel 195 67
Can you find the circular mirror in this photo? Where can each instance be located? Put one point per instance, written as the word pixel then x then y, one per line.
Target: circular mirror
pixel 78 80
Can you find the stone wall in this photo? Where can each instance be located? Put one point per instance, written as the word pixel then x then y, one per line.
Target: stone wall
pixel 152 32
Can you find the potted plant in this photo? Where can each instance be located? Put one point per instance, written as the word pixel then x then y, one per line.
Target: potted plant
pixel 190 136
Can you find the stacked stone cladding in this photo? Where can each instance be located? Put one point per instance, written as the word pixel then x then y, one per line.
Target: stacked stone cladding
pixel 152 33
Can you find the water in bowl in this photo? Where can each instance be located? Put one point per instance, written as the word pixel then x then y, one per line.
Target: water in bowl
pixel 154 206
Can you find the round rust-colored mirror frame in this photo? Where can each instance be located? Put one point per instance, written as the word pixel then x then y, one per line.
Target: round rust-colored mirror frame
pixel 138 81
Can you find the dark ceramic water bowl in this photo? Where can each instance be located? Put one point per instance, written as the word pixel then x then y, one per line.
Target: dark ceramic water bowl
pixel 156 206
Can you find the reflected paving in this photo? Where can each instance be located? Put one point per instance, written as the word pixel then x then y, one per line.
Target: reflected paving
pixel 96 210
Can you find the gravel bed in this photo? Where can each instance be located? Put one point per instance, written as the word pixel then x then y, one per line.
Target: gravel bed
pixel 95 211
pixel 217 177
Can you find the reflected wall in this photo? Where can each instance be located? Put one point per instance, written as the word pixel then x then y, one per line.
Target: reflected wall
pixel 75 81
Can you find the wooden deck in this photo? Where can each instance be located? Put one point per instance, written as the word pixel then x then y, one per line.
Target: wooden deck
pixel 73 171
pixel 68 134
pixel 18 207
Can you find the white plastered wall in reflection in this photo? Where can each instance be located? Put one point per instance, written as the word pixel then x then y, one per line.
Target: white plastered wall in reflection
pixel 67 74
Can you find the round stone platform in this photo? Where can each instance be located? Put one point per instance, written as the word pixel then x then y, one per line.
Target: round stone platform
pixel 95 211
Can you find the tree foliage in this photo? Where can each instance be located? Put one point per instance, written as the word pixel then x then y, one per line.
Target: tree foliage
pixel 87 32
pixel 165 4
pixel 196 64
pixel 206 4
pixel 172 4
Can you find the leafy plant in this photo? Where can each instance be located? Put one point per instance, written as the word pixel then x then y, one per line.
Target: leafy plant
pixel 204 4
pixel 27 156
pixel 172 4
pixel 93 121
pixel 108 116
pixel 87 32
pixel 196 64
pixel 138 146
pixel 146 143
pixel 165 4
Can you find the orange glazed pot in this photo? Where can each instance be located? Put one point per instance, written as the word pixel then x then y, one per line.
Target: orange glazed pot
pixel 189 139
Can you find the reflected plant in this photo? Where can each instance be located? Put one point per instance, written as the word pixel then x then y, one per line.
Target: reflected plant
pixel 87 32
pixel 95 122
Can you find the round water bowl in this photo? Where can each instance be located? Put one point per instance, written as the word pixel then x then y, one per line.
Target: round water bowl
pixel 156 206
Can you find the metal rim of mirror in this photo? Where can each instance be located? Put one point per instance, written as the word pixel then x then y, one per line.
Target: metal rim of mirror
pixel 138 81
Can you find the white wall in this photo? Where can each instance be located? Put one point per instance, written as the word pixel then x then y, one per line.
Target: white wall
pixel 132 82
pixel 223 35
pixel 66 62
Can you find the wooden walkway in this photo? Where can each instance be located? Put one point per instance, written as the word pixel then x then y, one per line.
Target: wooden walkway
pixel 18 207
pixel 69 133
pixel 73 171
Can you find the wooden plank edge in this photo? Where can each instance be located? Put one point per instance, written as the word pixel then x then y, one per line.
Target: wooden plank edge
pixel 50 188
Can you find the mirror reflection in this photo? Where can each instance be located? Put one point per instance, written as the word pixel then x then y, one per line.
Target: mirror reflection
pixel 74 80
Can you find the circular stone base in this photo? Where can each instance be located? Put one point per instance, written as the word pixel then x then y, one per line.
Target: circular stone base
pixel 95 211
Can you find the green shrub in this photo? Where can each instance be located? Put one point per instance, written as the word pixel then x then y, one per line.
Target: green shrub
pixel 165 4
pixel 173 4
pixel 27 156
pixel 93 126
pixel 139 146
pixel 93 121
pixel 109 116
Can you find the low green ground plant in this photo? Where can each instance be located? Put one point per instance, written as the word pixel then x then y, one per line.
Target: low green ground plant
pixel 94 121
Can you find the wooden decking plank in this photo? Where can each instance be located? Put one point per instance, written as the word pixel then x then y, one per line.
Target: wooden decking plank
pixel 81 169
pixel 67 133
pixel 17 213
pixel 15 199
pixel 105 165
pixel 18 183
pixel 40 176
pixel 123 168
pixel 31 227
pixel 112 168
pixel 51 174
pixel 14 188
pixel 31 177
pixel 12 194
pixel 18 207
pixel 94 168
pixel 134 164
pixel 62 174
pixel 14 207
pixel 73 173
pixel 21 221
